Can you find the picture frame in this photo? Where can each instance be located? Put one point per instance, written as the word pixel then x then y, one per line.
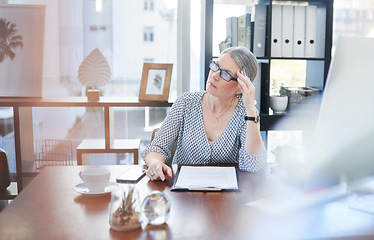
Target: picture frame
pixel 155 82
pixel 21 65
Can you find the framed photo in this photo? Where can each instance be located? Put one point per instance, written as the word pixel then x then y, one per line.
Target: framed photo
pixel 21 58
pixel 155 84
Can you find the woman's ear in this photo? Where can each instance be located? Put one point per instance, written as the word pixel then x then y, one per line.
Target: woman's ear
pixel 238 91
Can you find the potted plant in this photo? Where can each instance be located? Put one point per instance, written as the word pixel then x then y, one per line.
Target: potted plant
pixel 278 102
pixel 125 210
pixel 224 44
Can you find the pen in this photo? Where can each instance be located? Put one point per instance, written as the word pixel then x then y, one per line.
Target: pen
pixel 204 188
pixel 243 71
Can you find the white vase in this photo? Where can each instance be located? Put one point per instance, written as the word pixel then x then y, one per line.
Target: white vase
pixel 278 104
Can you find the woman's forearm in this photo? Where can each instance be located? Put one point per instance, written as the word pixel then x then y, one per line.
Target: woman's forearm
pixel 253 143
pixel 153 157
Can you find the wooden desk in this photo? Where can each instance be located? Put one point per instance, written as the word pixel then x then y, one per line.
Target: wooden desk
pixel 49 208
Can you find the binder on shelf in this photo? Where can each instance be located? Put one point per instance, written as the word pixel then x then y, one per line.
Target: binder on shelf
pixel 241 30
pixel 257 84
pixel 259 30
pixel 299 31
pixel 252 34
pixel 228 29
pixel 232 30
pixel 310 31
pixel 321 31
pixel 276 31
pixel 287 30
pixel 248 32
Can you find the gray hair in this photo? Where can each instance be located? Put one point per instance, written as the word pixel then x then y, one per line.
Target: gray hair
pixel 244 58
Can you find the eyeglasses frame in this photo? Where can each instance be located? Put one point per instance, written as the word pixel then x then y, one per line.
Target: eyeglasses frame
pixel 221 70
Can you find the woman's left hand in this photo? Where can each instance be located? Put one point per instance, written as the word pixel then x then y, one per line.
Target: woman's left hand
pixel 248 92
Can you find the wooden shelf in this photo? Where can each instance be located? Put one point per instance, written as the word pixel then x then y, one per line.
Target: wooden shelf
pixel 105 102
pixel 78 102
pixel 268 122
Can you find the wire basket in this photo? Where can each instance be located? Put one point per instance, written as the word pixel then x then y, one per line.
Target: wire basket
pixel 54 152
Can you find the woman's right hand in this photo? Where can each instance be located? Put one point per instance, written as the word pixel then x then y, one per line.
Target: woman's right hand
pixel 157 169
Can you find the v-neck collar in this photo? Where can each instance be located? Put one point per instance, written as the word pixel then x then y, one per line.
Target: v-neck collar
pixel 233 120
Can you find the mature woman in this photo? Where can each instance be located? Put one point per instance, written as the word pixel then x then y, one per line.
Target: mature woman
pixel 219 125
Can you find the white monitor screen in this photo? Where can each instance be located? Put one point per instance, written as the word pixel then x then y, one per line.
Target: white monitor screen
pixel 343 142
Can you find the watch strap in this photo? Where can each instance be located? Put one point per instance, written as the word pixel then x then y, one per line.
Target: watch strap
pixel 254 119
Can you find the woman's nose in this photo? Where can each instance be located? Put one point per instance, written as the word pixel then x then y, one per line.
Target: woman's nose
pixel 216 75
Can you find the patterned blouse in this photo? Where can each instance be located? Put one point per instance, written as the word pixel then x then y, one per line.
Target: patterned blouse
pixel 184 123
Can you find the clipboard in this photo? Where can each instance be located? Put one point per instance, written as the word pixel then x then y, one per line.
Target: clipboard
pixel 187 179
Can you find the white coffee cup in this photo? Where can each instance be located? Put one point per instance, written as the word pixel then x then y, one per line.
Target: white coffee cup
pixel 95 179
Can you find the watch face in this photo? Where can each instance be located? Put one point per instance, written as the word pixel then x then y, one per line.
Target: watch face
pixel 257 119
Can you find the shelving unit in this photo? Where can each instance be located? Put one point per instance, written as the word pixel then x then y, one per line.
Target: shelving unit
pixel 314 65
pixel 27 168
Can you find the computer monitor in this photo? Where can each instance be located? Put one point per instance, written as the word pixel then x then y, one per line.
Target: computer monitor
pixel 343 131
pixel 343 143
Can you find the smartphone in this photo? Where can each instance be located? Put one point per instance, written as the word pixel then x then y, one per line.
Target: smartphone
pixel 131 175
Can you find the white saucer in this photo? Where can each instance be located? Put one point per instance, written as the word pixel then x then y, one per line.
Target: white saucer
pixel 81 188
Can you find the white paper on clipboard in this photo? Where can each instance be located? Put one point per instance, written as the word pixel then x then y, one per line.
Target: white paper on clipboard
pixel 207 178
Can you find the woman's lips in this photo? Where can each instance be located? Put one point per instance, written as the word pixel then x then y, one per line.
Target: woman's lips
pixel 212 85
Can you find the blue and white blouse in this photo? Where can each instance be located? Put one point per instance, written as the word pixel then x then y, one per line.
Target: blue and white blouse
pixel 184 123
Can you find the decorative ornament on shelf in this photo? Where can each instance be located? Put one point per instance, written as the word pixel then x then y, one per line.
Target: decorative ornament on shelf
pixel 94 72
pixel 278 102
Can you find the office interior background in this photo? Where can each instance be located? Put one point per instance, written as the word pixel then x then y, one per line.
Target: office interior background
pixel 130 33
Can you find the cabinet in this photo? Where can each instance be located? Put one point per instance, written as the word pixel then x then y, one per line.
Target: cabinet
pixel 316 67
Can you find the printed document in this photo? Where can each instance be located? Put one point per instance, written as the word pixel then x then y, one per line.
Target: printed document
pixel 206 178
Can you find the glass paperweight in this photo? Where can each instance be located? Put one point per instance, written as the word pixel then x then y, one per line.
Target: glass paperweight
pixel 156 208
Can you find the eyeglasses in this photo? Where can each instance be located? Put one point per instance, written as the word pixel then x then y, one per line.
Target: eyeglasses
pixel 223 73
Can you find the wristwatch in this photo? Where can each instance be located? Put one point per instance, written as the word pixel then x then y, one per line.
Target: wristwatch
pixel 255 119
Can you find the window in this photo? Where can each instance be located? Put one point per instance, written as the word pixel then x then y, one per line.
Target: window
pixel 148 34
pixel 354 18
pixel 149 60
pixel 97 28
pixel 196 83
pixel 148 5
pixel 288 73
pixel 70 37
